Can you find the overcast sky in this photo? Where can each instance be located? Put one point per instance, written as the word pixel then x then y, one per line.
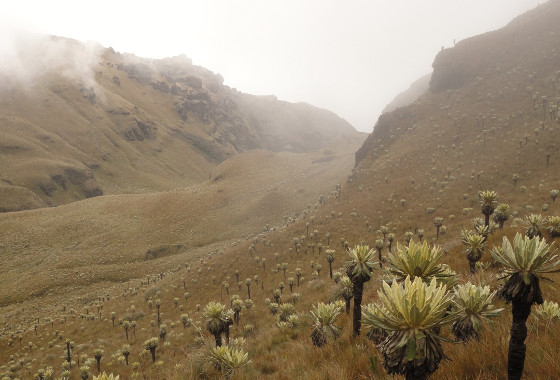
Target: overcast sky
pixel 351 57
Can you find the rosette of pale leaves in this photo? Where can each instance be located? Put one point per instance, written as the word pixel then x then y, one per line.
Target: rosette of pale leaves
pixel 237 305
pixel 324 328
pixel 472 306
pixel 411 312
pixel 501 214
pixel 533 223
pixel 229 359
pixel 217 317
pixel 526 256
pixel 238 342
pixel 151 344
pixel 284 312
pixel 104 376
pixel 548 311
pixel 483 230
pixel 330 255
pixel 345 290
pixel 524 263
pixel 419 260
pixel 464 235
pixel 478 222
pixel 84 372
pixel 361 262
pixel 474 247
pixel 273 307
pixel 340 304
pixel 293 321
pixel 488 200
pixel 373 333
pixel 553 227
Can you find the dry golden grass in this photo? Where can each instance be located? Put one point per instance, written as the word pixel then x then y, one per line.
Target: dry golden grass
pixel 426 166
pixel 112 237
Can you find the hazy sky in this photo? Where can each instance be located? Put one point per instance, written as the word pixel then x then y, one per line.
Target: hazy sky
pixel 351 56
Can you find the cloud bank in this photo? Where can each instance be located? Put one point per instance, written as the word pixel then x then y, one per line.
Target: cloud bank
pixel 26 56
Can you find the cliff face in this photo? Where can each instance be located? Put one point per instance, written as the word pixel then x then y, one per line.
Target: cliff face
pixel 79 120
pixel 522 42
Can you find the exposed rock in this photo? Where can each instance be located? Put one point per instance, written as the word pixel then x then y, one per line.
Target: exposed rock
pixel 118 111
pixel 194 82
pixel 137 70
pixel 140 130
pixel 161 86
pixel 89 94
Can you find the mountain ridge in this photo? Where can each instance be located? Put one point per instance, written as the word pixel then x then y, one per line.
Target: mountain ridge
pixel 132 125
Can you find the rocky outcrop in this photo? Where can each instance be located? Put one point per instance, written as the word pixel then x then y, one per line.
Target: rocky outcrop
pixel 140 130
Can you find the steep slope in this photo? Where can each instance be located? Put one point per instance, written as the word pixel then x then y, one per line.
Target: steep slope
pixel 78 120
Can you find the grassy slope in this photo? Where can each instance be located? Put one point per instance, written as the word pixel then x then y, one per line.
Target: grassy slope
pixel 108 237
pixel 61 144
pixel 430 162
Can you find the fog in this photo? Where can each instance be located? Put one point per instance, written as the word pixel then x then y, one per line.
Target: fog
pixel 350 57
pixel 26 55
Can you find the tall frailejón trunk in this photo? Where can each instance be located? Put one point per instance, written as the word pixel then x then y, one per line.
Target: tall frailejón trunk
pixel 218 339
pixel 412 375
pixel 358 286
pixel 226 334
pixel 487 220
pixel 517 348
pixel 472 266
pixel 527 295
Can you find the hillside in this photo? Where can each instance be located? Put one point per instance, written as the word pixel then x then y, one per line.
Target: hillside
pixel 491 112
pixel 124 236
pixel 79 120
pixel 488 122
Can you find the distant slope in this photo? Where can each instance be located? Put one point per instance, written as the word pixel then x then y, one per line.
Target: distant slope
pixel 78 120
pixel 417 88
pixel 489 78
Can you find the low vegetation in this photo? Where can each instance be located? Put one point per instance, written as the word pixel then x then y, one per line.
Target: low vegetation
pixel 424 262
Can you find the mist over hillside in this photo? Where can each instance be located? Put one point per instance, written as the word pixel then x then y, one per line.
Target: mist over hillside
pixel 404 98
pixel 80 120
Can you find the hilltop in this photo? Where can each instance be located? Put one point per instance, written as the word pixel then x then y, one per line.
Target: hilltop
pixel 79 120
